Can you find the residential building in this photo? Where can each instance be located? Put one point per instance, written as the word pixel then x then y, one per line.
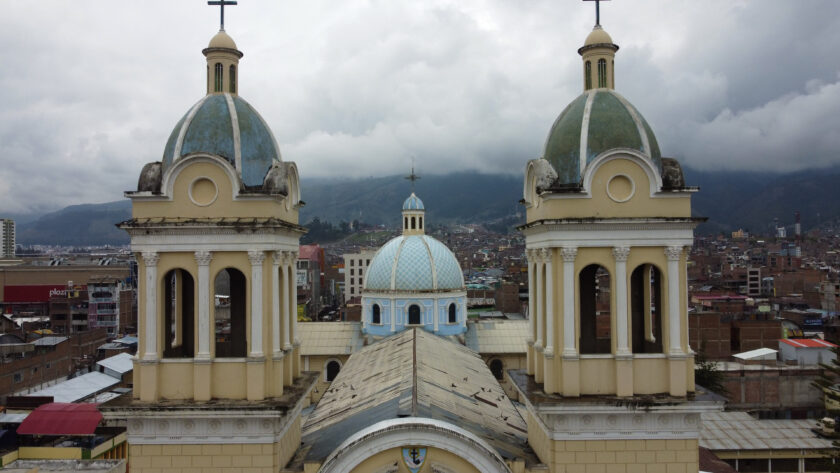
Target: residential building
pixel 7 238
pixel 355 269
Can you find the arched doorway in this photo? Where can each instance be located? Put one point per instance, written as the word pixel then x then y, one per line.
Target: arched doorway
pixel 178 314
pixel 332 369
pixel 230 314
pixel 414 315
pixel 646 309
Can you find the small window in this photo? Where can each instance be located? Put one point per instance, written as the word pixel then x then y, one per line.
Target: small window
pixel 453 314
pixel 352 290
pixel 352 262
pixel 414 315
pixel 368 263
pixel 352 280
pixel 588 75
pixel 18 377
pixel 360 271
pixel 218 78
pixel 351 272
pixel 602 73
pixel 497 368
pixel 333 367
pixel 233 79
pixel 376 317
pixel 421 223
pixel 413 223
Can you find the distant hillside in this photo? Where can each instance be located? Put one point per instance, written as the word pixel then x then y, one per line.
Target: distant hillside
pixel 78 225
pixel 731 200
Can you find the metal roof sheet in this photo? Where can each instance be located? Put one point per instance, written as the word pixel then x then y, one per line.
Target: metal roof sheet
pixel 415 373
pixel 503 336
pixel 757 353
pixel 807 343
pixel 740 431
pixel 329 338
pixel 121 363
pixel 49 341
pixel 61 419
pixel 78 388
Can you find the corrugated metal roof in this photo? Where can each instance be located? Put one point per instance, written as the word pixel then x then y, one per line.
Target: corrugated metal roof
pixel 49 341
pixel 757 353
pixel 503 336
pixel 416 373
pixel 740 431
pixel 78 388
pixel 120 363
pixel 329 338
pixel 807 343
pixel 61 419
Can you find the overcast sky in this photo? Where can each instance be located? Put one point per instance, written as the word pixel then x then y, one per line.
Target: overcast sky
pixel 91 89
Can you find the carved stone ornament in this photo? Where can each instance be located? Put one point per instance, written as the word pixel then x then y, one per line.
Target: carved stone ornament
pixel 673 253
pixel 569 254
pixel 621 253
pixel 256 257
pixel 203 257
pixel 151 258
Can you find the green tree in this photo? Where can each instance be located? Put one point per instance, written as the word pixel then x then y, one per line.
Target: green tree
pixel 707 374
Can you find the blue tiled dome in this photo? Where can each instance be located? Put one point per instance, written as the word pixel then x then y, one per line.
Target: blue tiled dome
pixel 599 120
pixel 225 125
pixel 413 203
pixel 414 263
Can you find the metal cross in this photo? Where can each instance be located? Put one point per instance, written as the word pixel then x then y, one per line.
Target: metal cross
pixel 597 10
pixel 412 177
pixel 222 3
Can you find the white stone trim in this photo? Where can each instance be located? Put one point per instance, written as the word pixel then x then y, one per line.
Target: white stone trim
pixel 674 254
pixel 654 178
pixel 170 175
pixel 208 239
pixel 549 303
pixel 569 284
pixel 179 142
pixel 216 427
pixel 584 132
pixel 256 258
pixel 150 260
pixel 276 348
pixel 394 433
pixel 237 140
pixel 203 258
pixel 638 121
pixel 588 235
pixel 620 254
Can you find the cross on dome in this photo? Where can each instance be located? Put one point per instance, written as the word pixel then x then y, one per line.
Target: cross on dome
pixel 597 10
pixel 222 3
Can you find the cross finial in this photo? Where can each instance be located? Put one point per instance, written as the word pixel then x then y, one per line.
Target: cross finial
pixel 597 10
pixel 412 177
pixel 222 3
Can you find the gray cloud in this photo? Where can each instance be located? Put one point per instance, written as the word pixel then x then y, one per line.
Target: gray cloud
pixel 92 90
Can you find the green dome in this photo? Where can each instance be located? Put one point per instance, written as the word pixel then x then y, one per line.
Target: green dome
pixel 599 120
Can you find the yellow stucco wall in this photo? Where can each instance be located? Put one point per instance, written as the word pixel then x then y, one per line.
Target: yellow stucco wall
pixel 318 363
pixel 600 205
pixel 224 205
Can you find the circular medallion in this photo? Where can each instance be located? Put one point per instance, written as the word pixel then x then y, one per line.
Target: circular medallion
pixel 203 192
pixel 621 188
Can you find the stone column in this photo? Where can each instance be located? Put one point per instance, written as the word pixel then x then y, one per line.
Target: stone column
pixel 256 258
pixel 539 320
pixel 569 331
pixel 677 358
pixel 435 314
pixel 549 375
pixel 621 253
pixel 202 370
pixel 393 315
pixel 276 347
pixel 203 258
pixel 674 323
pixel 148 363
pixel 288 313
pixel 150 259
pixel 295 335
pixel 531 312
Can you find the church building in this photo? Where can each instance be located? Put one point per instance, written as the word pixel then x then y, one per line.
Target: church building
pixel 607 379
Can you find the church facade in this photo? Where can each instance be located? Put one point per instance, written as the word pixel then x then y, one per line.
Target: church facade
pixel 608 379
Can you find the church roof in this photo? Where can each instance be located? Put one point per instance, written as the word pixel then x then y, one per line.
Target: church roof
pixel 225 125
pixel 330 338
pixel 598 120
pixel 497 337
pixel 415 374
pixel 414 263
pixel 413 203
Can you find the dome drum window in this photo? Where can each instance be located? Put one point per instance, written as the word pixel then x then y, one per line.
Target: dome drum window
pixel 217 78
pixel 376 315
pixel 453 314
pixel 414 317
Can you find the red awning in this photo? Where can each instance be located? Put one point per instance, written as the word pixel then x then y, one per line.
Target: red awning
pixel 59 418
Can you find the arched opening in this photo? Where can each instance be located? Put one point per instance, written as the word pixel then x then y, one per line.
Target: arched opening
pixel 219 70
pixel 588 75
pixel 333 367
pixel 233 79
pixel 646 309
pixel 178 314
pixel 405 224
pixel 420 226
pixel 612 73
pixel 376 316
pixel 595 310
pixel 414 315
pixel 602 73
pixel 453 313
pixel 413 223
pixel 497 368
pixel 208 78
pixel 230 315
